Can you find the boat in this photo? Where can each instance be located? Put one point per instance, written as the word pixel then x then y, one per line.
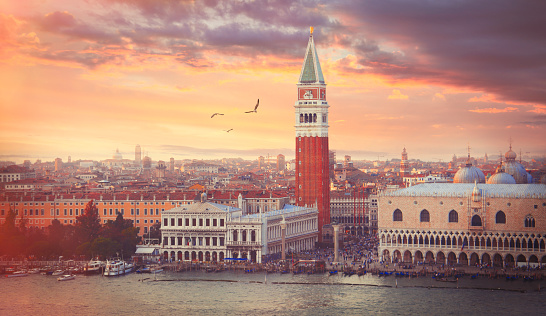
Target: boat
pixel 34 271
pixel 156 270
pixel 57 272
pixel 446 280
pixel 117 267
pixel 17 274
pixel 93 267
pixel 144 270
pixel 66 277
pixel 333 272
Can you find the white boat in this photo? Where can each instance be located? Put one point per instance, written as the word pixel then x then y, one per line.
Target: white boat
pixel 34 271
pixel 66 277
pixel 156 270
pixel 117 267
pixel 93 267
pixel 57 272
pixel 17 274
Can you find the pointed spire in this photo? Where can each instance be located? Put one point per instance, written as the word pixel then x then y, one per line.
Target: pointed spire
pixel 311 71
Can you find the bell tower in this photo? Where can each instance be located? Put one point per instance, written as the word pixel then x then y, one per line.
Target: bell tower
pixel 312 154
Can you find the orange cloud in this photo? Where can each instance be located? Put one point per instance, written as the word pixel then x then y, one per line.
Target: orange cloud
pixel 494 110
pixel 397 95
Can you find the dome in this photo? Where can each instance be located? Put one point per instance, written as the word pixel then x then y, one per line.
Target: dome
pixel 469 174
pixel 516 170
pixel 529 178
pixel 510 155
pixel 117 155
pixel 501 178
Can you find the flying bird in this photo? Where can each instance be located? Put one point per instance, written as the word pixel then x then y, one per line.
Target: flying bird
pixel 229 130
pixel 213 115
pixel 255 108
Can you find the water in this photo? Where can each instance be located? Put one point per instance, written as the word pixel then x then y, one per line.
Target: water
pixel 237 293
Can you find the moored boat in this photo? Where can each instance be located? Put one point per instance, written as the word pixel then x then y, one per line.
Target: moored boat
pixel 94 267
pixel 117 267
pixel 66 277
pixel 17 274
pixel 57 272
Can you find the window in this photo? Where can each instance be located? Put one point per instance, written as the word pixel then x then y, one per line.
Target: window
pixel 165 222
pixel 179 222
pixel 187 222
pixel 529 221
pixel 207 222
pixel 193 222
pixel 453 216
pixel 476 220
pixel 425 216
pixel 172 221
pixel 213 222
pixel 500 218
pixel 200 222
pixel 221 224
pixel 397 215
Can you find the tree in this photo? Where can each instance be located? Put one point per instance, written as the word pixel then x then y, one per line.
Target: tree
pixel 88 225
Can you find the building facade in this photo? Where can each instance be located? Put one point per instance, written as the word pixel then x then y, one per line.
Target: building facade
pixel 205 232
pixel 501 225
pixel 311 121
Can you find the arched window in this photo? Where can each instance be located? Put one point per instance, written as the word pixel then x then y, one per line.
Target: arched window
pixel 397 215
pixel 253 236
pixel 425 216
pixel 306 118
pixel 476 220
pixel 235 234
pixel 500 218
pixel 301 118
pixel 453 216
pixel 529 221
pixel 315 118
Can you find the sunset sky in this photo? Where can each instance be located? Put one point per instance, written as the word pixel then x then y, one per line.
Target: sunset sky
pixel 82 78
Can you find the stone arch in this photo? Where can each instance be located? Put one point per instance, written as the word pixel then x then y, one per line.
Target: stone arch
pixel 214 256
pixel 396 256
pixel 486 259
pixel 418 257
pixel 451 259
pixel 474 259
pixel 387 256
pixel 429 257
pixel 497 261
pixel 207 256
pixel 221 256
pixel 509 261
pixel 179 255
pixel 200 256
pixel 407 256
pixel 173 255
pixel 440 258
pixel 166 255
pixel 533 261
pixel 235 235
pixel 463 259
pixel 521 260
pixel 187 255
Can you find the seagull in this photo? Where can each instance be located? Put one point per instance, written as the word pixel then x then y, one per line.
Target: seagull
pixel 215 114
pixel 255 108
pixel 229 130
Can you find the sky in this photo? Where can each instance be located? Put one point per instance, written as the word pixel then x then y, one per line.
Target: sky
pixel 83 78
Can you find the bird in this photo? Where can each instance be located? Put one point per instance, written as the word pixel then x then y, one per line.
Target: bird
pixel 255 108
pixel 215 114
pixel 229 130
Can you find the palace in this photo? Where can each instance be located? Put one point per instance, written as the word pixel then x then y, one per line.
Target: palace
pixel 463 223
pixel 205 231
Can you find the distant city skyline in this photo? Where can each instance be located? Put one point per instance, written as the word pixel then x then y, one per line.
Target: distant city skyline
pixel 83 79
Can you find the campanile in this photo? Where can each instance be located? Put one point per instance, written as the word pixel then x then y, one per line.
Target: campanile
pixel 312 159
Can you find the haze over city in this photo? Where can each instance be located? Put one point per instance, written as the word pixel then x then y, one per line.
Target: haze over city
pixel 83 79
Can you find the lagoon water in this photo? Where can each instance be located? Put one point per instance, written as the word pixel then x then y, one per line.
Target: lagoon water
pixel 238 293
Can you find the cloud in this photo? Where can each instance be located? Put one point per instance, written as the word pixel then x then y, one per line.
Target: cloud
pixel 439 96
pixel 397 95
pixel 494 110
pixel 492 46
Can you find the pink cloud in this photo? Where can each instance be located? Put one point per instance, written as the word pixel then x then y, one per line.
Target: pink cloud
pixel 494 110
